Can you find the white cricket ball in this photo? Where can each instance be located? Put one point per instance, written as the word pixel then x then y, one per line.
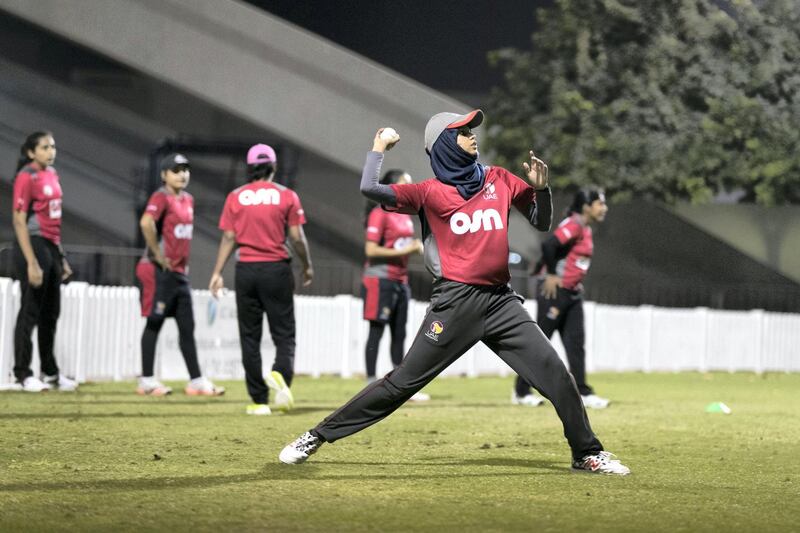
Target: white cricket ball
pixel 388 135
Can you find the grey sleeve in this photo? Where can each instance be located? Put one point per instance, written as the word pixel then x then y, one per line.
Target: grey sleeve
pixel 540 213
pixel 383 194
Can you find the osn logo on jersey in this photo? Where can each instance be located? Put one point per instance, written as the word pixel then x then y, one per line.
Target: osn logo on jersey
pixel 54 208
pixel 485 219
pixel 402 242
pixel 260 197
pixel 583 262
pixel 435 330
pixel 183 231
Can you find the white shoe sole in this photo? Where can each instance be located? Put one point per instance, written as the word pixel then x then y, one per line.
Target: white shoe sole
pixel 528 403
pixel 260 412
pixel 598 472
pixel 43 389
pixel 596 406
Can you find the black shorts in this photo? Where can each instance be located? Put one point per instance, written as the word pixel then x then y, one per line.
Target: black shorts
pixel 160 290
pixel 384 298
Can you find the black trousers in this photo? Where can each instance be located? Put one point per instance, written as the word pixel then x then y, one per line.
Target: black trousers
pixel 266 287
pixel 565 315
pixel 40 308
pixel 172 297
pixel 459 316
pixel 394 297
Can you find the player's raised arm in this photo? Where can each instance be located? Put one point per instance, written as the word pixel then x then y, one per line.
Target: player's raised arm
pixel 540 212
pixel 382 194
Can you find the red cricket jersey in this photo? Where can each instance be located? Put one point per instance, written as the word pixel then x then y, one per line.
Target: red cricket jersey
pixel 469 238
pixel 575 265
pixel 260 213
pixel 174 216
pixel 390 230
pixel 38 193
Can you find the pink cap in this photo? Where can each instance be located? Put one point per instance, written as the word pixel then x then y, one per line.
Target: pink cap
pixel 260 154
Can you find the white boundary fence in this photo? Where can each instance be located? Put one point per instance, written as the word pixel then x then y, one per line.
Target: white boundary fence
pixel 100 327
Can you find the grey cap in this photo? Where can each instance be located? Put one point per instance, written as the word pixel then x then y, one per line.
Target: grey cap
pixel 443 121
pixel 174 160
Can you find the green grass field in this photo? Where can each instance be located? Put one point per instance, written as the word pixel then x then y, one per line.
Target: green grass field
pixel 106 459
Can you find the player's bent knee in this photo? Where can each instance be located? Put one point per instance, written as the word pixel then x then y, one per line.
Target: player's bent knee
pixel 396 389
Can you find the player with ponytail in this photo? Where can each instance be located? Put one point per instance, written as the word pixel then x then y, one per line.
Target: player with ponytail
pixel 566 257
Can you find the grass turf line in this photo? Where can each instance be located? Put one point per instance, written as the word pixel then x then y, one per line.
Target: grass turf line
pixel 105 459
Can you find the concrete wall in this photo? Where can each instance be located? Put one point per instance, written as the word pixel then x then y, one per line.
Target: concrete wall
pixel 254 65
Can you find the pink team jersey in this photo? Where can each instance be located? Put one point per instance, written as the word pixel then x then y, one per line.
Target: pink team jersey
pixel 390 230
pixel 174 216
pixel 469 237
pixel 259 213
pixel 574 267
pixel 38 193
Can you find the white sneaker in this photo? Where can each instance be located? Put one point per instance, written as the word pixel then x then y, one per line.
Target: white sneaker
pixel 298 451
pixel 150 386
pixel 284 400
pixel 259 409
pixel 62 383
pixel 420 397
pixel 34 384
pixel 600 463
pixel 529 400
pixel 203 386
pixel 593 401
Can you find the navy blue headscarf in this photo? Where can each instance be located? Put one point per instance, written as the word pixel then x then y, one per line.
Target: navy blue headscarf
pixel 453 166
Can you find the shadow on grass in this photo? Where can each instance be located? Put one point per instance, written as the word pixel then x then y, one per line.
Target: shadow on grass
pixel 160 414
pixel 437 403
pixel 312 471
pixel 150 401
pixel 317 471
pixel 146 484
pixel 23 416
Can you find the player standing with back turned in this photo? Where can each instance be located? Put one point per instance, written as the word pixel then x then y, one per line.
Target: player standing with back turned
pixel 465 229
pixel 258 217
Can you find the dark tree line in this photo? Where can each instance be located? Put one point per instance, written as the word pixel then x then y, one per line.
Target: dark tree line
pixel 666 99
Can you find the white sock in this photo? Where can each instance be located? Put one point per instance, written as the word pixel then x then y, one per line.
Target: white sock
pixel 148 381
pixel 198 382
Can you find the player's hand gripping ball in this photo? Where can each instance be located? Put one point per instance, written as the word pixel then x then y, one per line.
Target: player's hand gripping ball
pixel 389 135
